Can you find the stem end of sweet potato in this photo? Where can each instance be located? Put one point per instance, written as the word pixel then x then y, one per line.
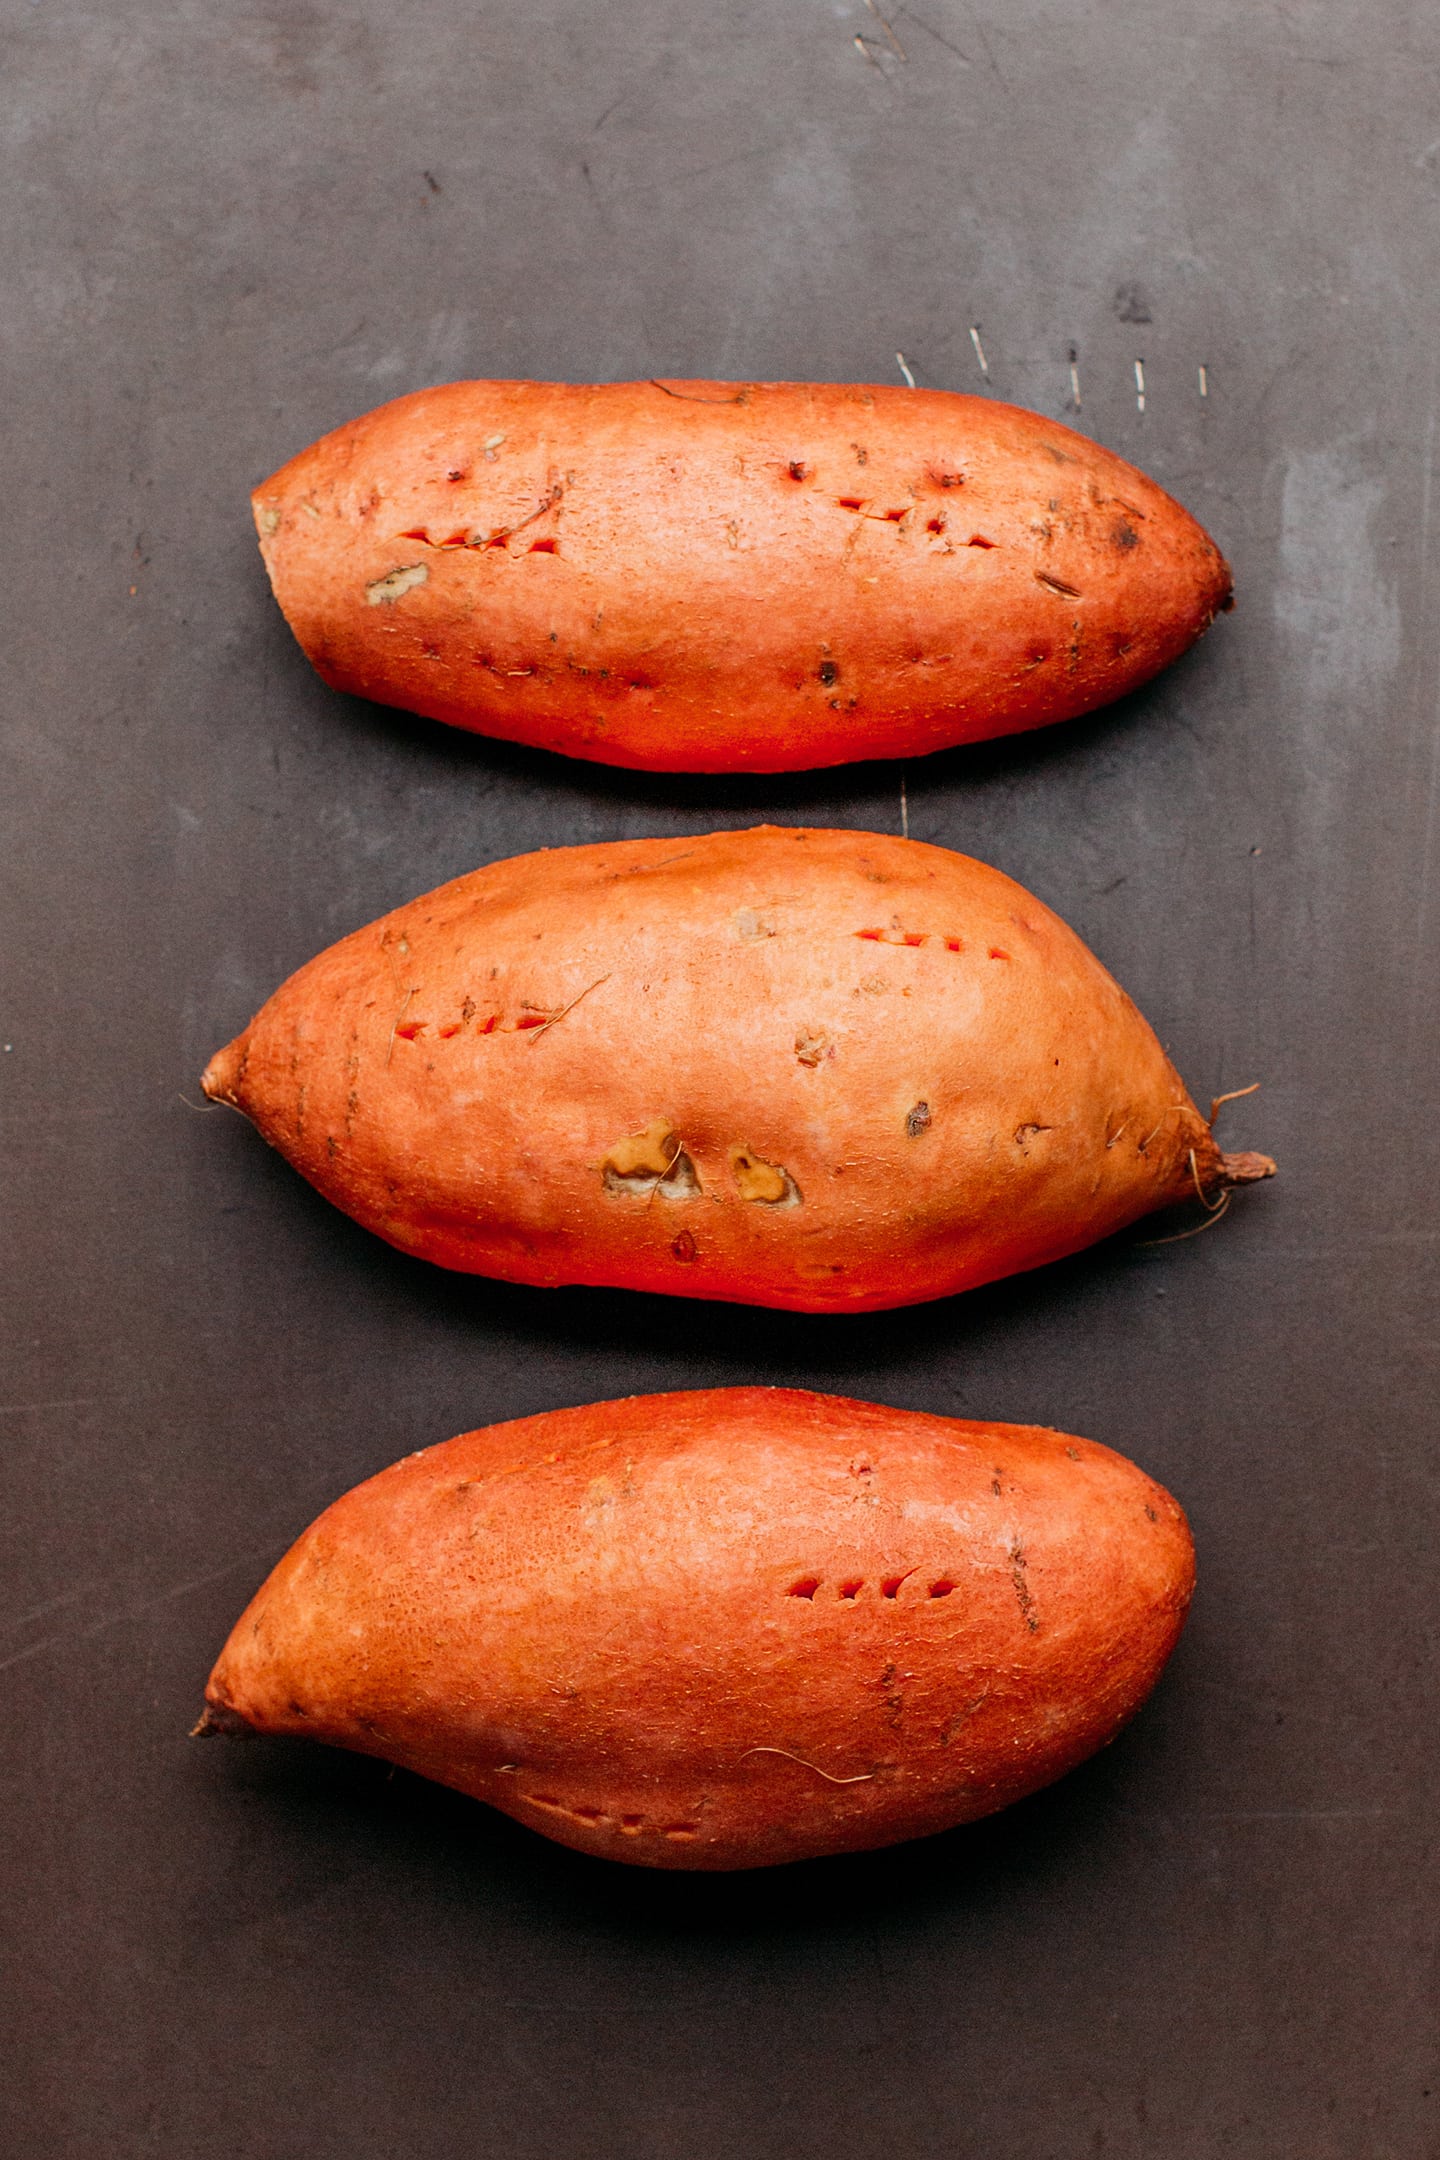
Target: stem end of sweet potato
pixel 1246 1168
pixel 221 1077
pixel 216 1718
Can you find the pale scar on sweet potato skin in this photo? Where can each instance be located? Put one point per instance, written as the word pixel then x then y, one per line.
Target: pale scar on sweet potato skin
pixel 832 1071
pixel 728 1628
pixel 718 577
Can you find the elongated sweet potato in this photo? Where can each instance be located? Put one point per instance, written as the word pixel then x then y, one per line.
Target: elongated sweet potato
pixel 803 1068
pixel 716 577
pixel 722 1629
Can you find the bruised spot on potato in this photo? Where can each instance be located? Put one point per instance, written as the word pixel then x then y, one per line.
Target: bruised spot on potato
pixel 1125 536
pixel 756 1179
pixel 396 583
pixel 649 1162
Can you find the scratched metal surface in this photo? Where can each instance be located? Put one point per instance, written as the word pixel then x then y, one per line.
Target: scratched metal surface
pixel 229 229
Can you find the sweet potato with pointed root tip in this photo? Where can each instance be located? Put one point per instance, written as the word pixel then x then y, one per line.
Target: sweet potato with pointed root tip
pixel 823 1070
pixel 724 577
pixel 724 1629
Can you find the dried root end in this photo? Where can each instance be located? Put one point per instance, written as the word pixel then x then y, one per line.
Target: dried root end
pixel 1245 1168
pixel 216 1718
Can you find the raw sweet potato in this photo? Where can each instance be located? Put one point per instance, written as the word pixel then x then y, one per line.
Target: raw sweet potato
pixel 824 1070
pixel 717 577
pixel 723 1629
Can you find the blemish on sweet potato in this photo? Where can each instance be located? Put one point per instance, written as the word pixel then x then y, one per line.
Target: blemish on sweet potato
pixel 652 1161
pixel 384 591
pixel 756 1179
pixel 1023 1597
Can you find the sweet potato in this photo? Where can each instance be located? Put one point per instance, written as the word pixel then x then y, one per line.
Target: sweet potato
pixel 823 1070
pixel 718 577
pixel 723 1629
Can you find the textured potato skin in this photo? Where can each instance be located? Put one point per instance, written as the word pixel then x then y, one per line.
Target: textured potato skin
pixel 930 1076
pixel 717 577
pixel 726 1628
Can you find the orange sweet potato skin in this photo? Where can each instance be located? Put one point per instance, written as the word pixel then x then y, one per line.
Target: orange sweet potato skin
pixel 728 1628
pixel 717 577
pixel 822 1070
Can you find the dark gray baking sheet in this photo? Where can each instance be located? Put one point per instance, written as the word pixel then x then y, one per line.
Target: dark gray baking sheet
pixel 227 228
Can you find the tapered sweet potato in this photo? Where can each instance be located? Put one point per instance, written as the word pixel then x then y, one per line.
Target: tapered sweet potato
pixel 716 577
pixel 813 1069
pixel 722 1629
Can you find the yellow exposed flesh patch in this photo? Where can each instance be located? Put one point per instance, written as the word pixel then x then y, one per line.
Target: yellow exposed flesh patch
pixel 653 1161
pixel 756 1179
pixel 646 1154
